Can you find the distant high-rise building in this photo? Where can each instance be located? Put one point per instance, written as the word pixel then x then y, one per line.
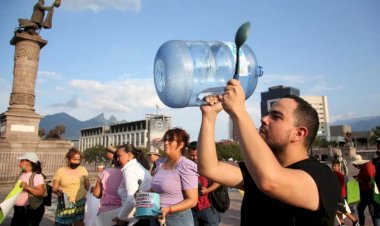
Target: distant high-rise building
pixel 321 105
pixel 273 94
pixel 231 131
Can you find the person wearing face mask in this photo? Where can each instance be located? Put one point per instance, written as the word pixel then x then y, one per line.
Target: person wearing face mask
pixel 71 181
pixel 29 209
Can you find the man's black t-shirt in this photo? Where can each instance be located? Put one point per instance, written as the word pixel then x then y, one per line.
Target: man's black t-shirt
pixel 259 209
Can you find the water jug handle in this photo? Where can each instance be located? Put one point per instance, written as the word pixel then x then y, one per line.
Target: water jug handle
pixel 208 92
pixel 260 71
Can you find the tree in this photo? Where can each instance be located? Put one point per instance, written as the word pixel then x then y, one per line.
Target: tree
pixel 226 150
pixel 333 143
pixel 61 129
pixel 375 135
pixel 321 142
pixel 56 133
pixel 41 133
pixel 95 154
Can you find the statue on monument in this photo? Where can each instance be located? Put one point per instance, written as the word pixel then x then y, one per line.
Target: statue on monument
pixel 36 22
pixel 348 139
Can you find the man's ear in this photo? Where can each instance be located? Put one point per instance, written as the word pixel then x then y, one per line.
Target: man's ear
pixel 300 133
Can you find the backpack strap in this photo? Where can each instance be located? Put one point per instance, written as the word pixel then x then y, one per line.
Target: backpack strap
pixel 31 179
pixel 34 201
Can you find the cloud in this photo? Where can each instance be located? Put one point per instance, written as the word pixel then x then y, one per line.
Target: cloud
pixel 73 103
pixel 322 89
pixel 118 96
pixel 100 5
pixel 91 86
pixel 109 104
pixel 346 115
pixel 316 85
pixel 49 74
pixel 268 80
pixel 42 76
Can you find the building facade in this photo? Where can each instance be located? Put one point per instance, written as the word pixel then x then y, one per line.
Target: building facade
pixel 231 131
pixel 273 94
pixel 142 133
pixel 321 105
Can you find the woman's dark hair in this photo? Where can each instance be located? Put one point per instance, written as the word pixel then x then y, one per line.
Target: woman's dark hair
pixel 73 151
pixel 36 167
pixel 115 160
pixel 177 134
pixel 139 155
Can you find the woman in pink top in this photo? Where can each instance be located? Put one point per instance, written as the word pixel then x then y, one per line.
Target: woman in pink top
pixel 29 209
pixel 106 187
pixel 176 180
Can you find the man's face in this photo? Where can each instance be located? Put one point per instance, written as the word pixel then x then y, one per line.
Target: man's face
pixel 109 155
pixel 336 167
pixel 153 157
pixel 192 154
pixel 23 164
pixel 277 127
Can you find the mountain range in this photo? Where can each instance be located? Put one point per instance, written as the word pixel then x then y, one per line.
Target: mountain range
pixel 73 125
pixel 360 124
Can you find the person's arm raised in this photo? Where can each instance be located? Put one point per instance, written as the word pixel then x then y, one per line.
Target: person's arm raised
pixel 208 164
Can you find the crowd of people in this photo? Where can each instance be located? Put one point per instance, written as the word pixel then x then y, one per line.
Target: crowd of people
pixel 174 177
pixel 277 175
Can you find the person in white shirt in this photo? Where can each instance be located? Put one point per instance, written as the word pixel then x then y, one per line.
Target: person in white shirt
pixel 136 178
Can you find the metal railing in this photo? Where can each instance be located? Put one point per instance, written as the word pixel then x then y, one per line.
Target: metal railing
pixel 50 162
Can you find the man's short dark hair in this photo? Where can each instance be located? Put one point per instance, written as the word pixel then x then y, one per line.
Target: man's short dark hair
pixel 192 145
pixel 306 116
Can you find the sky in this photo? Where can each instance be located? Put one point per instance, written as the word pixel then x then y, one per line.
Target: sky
pixel 100 54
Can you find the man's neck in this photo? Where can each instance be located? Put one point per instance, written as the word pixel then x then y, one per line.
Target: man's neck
pixel 291 156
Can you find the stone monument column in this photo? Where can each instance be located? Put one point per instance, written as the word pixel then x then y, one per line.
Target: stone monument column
pixel 21 121
pixel 27 51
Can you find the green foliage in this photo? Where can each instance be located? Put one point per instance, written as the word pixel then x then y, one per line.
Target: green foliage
pixel 95 154
pixel 226 150
pixel 334 144
pixel 375 135
pixel 41 133
pixel 321 142
pixel 56 133
pixel 144 149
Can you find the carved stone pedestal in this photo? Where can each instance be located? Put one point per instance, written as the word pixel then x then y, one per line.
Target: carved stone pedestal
pixel 349 151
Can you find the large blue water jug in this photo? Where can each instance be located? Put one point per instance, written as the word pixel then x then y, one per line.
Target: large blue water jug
pixel 186 71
